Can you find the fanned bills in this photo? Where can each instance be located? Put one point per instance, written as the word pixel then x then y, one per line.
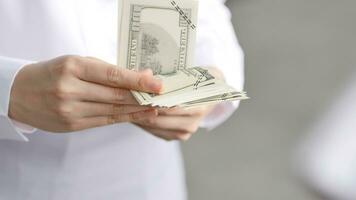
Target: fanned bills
pixel 160 35
pixel 199 88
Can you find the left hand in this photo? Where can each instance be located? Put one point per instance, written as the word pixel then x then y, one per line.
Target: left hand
pixel 175 123
pixel 178 123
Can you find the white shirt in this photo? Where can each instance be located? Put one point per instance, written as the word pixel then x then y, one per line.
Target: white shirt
pixel 327 158
pixel 119 161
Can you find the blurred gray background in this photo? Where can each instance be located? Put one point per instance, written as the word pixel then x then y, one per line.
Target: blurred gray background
pixel 299 53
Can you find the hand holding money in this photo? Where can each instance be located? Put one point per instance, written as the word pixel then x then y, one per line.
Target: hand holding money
pixel 72 93
pixel 175 123
pixel 178 123
pixel 188 88
pixel 160 35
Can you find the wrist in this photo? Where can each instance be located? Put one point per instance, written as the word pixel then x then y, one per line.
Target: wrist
pixel 18 92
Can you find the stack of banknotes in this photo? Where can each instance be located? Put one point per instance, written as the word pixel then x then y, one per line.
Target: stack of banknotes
pixel 160 35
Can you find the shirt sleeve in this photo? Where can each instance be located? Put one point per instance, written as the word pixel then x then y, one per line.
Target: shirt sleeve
pixel 217 46
pixel 10 129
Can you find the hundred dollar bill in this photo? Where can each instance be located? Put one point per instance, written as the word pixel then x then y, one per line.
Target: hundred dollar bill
pixel 207 101
pixel 230 96
pixel 157 34
pixel 180 83
pixel 193 87
pixel 201 94
pixel 160 35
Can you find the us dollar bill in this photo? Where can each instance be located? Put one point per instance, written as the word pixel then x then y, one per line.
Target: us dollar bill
pixel 229 96
pixel 179 84
pixel 160 35
pixel 212 93
pixel 157 34
pixel 201 88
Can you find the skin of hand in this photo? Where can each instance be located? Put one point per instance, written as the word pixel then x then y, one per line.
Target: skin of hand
pixel 72 93
pixel 178 123
pixel 175 123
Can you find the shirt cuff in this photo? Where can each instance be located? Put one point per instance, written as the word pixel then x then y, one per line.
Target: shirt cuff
pixel 10 129
pixel 23 128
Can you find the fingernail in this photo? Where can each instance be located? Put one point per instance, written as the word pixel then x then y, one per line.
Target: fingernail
pixel 155 85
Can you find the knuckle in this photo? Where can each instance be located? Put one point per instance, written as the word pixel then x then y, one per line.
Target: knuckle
pixel 64 111
pixel 113 75
pixel 116 109
pixel 112 119
pixel 61 91
pixel 135 116
pixel 69 63
pixel 70 60
pixel 119 94
pixel 109 120
pixel 63 65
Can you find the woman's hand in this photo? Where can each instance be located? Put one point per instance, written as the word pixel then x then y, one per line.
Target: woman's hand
pixel 72 93
pixel 178 123
pixel 175 123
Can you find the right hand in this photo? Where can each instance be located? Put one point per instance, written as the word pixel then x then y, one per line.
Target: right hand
pixel 72 93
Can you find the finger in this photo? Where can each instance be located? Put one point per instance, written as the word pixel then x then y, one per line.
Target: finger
pixel 168 134
pixel 176 111
pixel 173 123
pixel 104 94
pixel 94 70
pixel 93 109
pixel 113 119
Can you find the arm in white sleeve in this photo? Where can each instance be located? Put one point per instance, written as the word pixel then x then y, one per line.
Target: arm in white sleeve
pixel 217 46
pixel 10 129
